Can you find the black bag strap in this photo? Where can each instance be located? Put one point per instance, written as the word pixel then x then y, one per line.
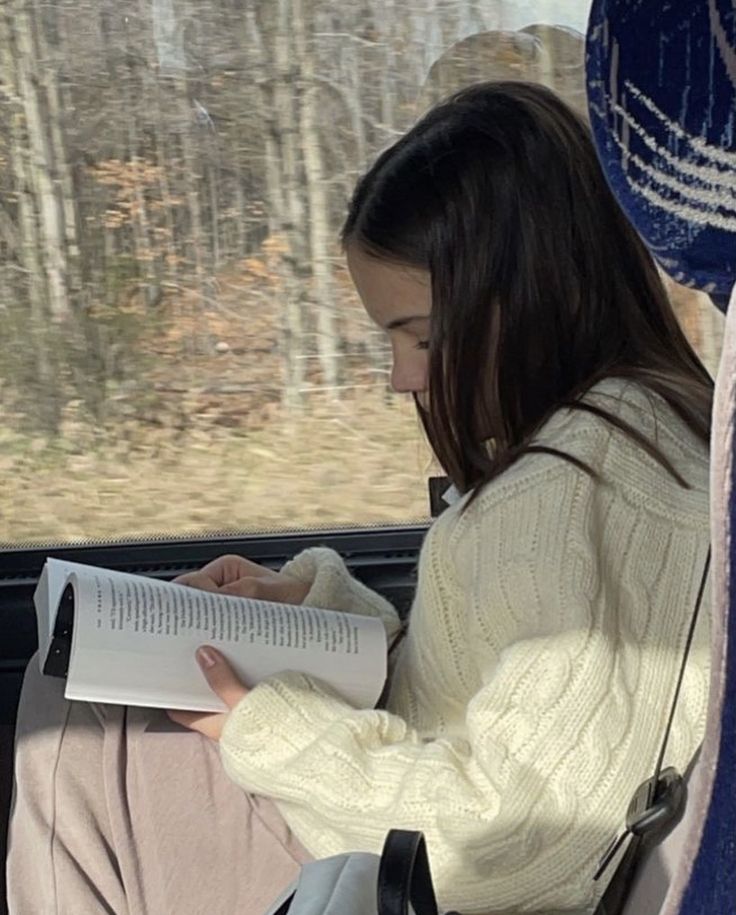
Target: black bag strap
pixel 658 803
pixel 285 905
pixel 404 875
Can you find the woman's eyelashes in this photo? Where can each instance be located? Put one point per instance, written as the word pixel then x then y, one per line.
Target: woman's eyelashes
pixel 422 344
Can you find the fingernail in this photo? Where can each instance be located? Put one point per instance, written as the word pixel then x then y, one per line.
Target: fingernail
pixel 206 658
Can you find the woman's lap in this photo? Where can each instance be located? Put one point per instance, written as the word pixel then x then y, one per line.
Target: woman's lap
pixel 117 810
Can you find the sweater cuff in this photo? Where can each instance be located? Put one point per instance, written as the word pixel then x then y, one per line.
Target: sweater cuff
pixel 332 587
pixel 272 726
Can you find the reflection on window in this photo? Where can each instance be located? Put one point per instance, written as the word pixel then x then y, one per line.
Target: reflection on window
pixel 182 349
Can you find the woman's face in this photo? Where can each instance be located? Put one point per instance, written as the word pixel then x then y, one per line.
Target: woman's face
pixel 398 299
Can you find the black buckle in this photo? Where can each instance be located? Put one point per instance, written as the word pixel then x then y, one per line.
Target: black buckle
pixel 437 486
pixel 653 813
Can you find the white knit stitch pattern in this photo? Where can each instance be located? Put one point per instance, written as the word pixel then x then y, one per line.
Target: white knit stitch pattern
pixel 532 689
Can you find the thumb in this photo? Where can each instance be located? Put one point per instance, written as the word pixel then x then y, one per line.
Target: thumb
pixel 222 679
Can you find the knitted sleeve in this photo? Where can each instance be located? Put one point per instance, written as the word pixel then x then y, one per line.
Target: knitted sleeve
pixel 518 789
pixel 332 587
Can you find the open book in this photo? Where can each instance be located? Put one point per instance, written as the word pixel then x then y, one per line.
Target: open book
pixel 130 640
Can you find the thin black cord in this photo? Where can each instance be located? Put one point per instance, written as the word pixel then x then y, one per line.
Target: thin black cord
pixel 681 676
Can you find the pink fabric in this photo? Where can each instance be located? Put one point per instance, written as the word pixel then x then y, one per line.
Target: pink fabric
pixel 117 810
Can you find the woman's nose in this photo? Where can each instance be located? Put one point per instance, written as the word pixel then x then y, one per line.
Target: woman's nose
pixel 409 378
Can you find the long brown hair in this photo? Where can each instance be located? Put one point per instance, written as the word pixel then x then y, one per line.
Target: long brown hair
pixel 540 285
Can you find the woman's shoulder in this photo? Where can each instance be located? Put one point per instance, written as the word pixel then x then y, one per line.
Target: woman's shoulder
pixel 642 407
pixel 633 404
pixel 618 408
pixel 620 464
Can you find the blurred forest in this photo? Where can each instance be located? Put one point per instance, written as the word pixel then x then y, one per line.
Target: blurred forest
pixel 182 350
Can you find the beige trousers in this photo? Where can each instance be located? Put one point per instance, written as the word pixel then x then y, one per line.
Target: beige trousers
pixel 118 810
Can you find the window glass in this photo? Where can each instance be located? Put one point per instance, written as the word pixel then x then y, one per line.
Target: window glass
pixel 182 351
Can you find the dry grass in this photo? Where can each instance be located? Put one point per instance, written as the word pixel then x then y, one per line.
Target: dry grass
pixel 359 462
pixel 237 463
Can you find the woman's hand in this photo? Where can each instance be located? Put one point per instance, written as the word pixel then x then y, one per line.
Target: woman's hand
pixel 243 578
pixel 224 683
pixel 235 575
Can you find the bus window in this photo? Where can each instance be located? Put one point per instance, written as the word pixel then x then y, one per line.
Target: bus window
pixel 183 353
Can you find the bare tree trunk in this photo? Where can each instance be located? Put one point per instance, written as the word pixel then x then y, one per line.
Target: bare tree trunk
pixel 48 203
pixel 213 185
pixel 241 218
pixel 388 73
pixel 328 342
pixel 356 115
pixel 285 206
pixel 62 166
pixel 163 162
pixel 47 399
pixel 294 211
pixel 29 244
pixel 137 80
pixel 193 181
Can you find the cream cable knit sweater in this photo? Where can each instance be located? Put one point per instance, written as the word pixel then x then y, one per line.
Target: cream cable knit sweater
pixel 531 692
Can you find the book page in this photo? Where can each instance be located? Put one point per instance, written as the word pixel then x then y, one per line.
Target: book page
pixel 135 637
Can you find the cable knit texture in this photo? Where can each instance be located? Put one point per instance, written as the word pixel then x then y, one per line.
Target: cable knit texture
pixel 532 689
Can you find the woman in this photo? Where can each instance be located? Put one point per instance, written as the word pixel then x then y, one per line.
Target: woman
pixel 530 692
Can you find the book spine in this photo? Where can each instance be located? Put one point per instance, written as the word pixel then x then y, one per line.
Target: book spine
pixel 57 660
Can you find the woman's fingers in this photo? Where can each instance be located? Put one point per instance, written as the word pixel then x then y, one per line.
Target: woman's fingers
pixel 222 573
pixel 197 580
pixel 282 589
pixel 222 679
pixel 234 575
pixel 226 569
